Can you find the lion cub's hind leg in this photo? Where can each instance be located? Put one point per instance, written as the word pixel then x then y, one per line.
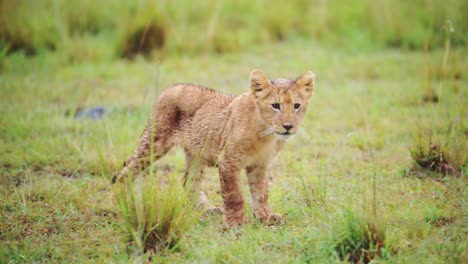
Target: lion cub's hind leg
pixel 158 138
pixel 194 177
pixel 206 206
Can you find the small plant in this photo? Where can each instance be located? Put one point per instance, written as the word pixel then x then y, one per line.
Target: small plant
pixel 433 157
pixel 156 213
pixel 359 240
pixel 443 153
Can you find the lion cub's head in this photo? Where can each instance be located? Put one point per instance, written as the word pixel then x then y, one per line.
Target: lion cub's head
pixel 282 102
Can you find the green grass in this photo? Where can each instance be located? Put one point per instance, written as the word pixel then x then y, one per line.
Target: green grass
pixel 157 211
pixel 442 152
pixel 359 240
pixel 90 30
pixel 57 204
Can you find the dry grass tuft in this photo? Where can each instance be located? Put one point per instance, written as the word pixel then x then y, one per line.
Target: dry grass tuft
pixel 443 153
pixel 360 241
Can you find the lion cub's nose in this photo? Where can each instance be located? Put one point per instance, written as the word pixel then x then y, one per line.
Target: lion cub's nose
pixel 287 126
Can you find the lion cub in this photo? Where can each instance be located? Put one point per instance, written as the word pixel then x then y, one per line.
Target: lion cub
pixel 230 132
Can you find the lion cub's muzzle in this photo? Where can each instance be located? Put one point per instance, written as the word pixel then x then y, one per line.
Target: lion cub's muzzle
pixel 287 130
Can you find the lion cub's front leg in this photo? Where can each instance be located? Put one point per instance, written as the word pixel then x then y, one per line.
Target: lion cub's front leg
pixel 258 184
pixel 232 194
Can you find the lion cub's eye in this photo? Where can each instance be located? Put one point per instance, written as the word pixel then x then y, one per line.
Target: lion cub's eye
pixel 276 106
pixel 297 106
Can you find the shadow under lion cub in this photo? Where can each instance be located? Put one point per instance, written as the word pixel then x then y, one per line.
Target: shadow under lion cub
pixel 229 132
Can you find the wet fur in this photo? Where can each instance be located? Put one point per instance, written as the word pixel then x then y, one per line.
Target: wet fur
pixel 230 132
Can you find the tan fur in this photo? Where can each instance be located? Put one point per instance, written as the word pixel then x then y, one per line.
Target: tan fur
pixel 230 132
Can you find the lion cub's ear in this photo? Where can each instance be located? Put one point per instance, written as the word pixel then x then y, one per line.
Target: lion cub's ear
pixel 305 83
pixel 259 84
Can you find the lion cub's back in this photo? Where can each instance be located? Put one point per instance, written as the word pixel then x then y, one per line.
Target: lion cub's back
pixel 201 113
pixel 188 98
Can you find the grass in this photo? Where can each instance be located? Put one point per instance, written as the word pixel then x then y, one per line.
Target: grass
pixel 57 204
pixel 443 153
pixel 156 212
pixel 90 30
pixel 360 241
pixel 440 150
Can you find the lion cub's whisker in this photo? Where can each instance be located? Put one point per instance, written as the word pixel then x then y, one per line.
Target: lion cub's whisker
pixel 267 132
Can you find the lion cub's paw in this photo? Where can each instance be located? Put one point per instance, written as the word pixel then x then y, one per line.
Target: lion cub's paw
pixel 274 219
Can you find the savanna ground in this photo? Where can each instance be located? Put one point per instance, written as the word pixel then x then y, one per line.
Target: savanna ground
pixel 352 157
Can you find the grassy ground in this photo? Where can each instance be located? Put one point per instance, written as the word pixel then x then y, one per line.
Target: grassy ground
pixel 57 205
pixel 90 31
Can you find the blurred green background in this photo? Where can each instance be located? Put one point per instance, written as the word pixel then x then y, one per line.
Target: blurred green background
pixel 96 30
pixel 391 84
